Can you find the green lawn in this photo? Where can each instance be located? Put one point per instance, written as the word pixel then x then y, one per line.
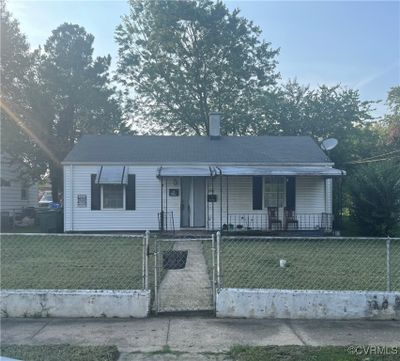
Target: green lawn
pixel 308 353
pixel 60 353
pixel 115 262
pixel 325 264
pixel 74 262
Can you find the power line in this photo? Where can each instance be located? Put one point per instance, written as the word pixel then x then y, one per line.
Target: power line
pixel 380 155
pixel 368 160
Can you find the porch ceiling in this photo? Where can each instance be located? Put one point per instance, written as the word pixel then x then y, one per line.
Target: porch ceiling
pixel 207 171
pixel 282 171
pixel 204 171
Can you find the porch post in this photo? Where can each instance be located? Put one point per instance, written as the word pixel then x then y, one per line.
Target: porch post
pixel 220 200
pixel 212 203
pixel 166 204
pixel 341 204
pixel 227 206
pixel 325 196
pixel 162 205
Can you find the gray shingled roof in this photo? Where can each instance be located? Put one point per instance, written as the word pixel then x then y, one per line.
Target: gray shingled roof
pixel 196 149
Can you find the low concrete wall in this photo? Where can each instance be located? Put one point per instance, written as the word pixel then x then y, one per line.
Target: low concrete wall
pixel 299 304
pixel 75 303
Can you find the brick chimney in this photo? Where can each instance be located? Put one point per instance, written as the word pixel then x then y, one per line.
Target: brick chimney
pixel 214 125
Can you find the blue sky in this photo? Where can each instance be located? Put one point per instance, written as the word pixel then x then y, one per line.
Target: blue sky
pixel 355 43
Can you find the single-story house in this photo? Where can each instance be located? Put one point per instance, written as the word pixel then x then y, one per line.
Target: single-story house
pixel 128 183
pixel 16 192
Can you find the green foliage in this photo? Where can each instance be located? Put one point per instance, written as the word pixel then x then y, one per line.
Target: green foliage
pixel 322 113
pixel 184 59
pixel 74 95
pixel 313 353
pixel 375 192
pixel 54 95
pixel 17 76
pixel 393 118
pixel 61 352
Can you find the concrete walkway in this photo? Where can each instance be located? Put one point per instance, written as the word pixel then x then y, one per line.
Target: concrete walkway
pixel 187 289
pixel 194 338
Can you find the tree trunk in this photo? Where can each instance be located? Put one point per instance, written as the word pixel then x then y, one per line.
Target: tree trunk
pixel 56 179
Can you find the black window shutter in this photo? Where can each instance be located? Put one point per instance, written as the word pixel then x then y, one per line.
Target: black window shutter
pixel 257 192
pixel 291 193
pixel 130 193
pixel 95 194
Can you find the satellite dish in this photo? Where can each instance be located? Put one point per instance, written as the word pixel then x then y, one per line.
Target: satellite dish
pixel 329 144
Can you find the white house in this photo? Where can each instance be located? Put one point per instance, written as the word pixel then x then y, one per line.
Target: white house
pixel 127 183
pixel 16 192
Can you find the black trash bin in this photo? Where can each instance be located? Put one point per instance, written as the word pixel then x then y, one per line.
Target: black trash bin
pixel 51 220
pixel 60 220
pixel 48 221
pixel 6 221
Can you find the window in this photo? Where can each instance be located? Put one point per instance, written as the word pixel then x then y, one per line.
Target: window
pixel 274 191
pixel 24 194
pixel 113 196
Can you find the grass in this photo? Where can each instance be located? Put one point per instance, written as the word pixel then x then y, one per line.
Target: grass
pixel 71 262
pixel 308 353
pixel 324 264
pixel 115 262
pixel 60 353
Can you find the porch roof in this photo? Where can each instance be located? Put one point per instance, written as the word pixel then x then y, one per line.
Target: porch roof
pixel 207 171
pixel 282 171
pixel 204 171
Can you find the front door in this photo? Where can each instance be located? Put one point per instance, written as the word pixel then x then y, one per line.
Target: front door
pixel 199 202
pixel 186 190
pixel 193 202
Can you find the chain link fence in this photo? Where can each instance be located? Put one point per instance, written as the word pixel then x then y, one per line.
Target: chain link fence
pixel 72 261
pixel 310 263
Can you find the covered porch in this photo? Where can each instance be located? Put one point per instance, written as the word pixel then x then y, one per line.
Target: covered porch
pixel 237 198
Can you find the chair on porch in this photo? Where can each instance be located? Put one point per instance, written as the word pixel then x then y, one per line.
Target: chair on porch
pixel 290 219
pixel 274 223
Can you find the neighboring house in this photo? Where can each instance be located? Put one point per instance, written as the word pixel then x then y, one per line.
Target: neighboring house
pixel 16 193
pixel 123 183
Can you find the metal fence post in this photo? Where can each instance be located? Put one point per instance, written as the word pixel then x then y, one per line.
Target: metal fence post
pixel 146 260
pixel 218 259
pixel 155 275
pixel 213 266
pixel 388 268
pixel 144 263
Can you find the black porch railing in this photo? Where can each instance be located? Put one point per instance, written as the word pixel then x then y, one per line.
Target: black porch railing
pixel 261 222
pixel 166 221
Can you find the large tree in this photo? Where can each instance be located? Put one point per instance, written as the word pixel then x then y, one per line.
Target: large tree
pixel 323 112
pixel 392 119
pixel 70 94
pixel 375 198
pixel 17 77
pixel 184 59
pixel 75 94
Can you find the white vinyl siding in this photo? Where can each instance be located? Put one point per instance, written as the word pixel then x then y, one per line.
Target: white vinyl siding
pixel 11 196
pixel 84 219
pixel 310 198
pixel 310 195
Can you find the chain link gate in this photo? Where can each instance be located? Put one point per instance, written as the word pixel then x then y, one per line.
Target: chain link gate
pixel 184 274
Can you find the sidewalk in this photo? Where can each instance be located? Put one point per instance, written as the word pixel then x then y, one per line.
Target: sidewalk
pixel 201 338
